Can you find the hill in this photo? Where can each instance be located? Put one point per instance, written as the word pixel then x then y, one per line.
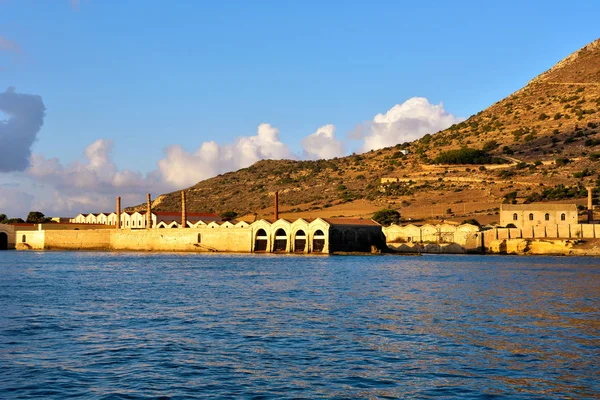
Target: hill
pixel 540 143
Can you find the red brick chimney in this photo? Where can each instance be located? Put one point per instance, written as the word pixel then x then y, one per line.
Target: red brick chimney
pixel 148 211
pixel 118 222
pixel 183 210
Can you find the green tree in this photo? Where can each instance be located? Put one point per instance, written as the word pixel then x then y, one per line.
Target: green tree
pixel 3 218
pixel 36 217
pixel 386 217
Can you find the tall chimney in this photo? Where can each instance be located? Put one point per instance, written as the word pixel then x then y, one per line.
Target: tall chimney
pixel 590 207
pixel 276 206
pixel 118 223
pixel 183 210
pixel 148 211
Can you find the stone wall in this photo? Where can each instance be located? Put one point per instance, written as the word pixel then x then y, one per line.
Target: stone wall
pixel 99 239
pixel 200 240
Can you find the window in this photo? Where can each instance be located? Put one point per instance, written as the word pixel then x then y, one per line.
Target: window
pixel 531 217
pixel 547 217
pixel 24 239
pixel 199 238
pixel 563 217
pixel 515 216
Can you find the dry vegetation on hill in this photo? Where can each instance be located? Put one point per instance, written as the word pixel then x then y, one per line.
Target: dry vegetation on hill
pixel 542 142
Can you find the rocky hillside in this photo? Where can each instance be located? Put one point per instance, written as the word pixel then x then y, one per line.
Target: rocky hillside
pixel 540 143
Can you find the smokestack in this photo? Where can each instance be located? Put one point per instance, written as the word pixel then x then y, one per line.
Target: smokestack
pixel 276 206
pixel 183 210
pixel 590 207
pixel 148 211
pixel 118 223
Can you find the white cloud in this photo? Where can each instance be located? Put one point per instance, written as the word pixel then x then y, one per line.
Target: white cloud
pixel 405 122
pixel 323 144
pixel 181 168
pixel 15 202
pixel 89 185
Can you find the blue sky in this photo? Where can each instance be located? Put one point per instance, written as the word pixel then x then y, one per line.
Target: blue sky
pixel 150 74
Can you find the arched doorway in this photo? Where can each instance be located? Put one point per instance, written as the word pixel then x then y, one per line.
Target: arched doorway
pixel 260 243
pixel 300 242
pixel 318 242
pixel 280 240
pixel 3 241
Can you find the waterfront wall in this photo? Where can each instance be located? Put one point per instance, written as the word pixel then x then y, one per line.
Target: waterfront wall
pixel 197 240
pixel 442 238
pixel 554 231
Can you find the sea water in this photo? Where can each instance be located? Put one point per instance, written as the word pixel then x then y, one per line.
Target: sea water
pixel 147 325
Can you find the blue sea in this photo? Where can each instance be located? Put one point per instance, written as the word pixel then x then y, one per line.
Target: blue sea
pixel 95 325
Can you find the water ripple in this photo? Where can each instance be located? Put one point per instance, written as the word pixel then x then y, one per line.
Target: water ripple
pixel 177 326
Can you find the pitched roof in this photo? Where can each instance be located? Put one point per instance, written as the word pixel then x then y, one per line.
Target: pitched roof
pixel 539 207
pixel 350 221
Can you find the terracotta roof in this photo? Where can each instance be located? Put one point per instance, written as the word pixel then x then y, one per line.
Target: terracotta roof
pixel 539 207
pixel 350 221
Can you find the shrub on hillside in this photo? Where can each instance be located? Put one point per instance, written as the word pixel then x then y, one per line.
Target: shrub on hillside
pixel 386 217
pixel 490 145
pixel 466 156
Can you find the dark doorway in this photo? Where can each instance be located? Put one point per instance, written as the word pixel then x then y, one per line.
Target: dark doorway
pixel 318 242
pixel 300 242
pixel 260 244
pixel 280 240
pixel 3 241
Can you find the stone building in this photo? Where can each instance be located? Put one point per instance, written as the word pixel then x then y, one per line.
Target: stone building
pixel 137 220
pixel 538 214
pixel 7 236
pixel 319 235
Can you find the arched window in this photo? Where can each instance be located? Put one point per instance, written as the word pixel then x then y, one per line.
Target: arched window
pixel 531 216
pixel 300 241
pixel 24 239
pixel 547 217
pixel 260 244
pixel 199 238
pixel 515 217
pixel 563 217
pixel 280 240
pixel 318 241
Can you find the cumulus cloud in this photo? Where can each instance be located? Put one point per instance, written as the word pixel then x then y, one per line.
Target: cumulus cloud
pixel 15 202
pixel 181 168
pixel 404 122
pixel 323 144
pixel 9 45
pixel 25 118
pixel 90 184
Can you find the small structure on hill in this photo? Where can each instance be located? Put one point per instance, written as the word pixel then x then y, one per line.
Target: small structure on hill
pixel 537 214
